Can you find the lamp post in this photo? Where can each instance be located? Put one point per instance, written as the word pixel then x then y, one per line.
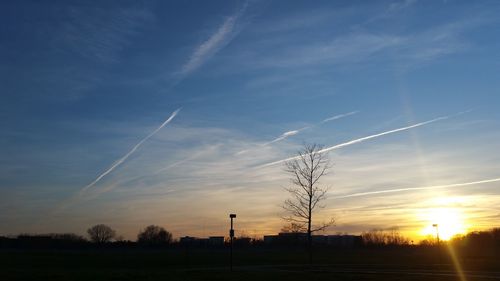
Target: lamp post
pixel 437 232
pixel 231 236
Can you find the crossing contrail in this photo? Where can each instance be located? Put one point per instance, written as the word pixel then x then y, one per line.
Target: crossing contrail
pixel 339 116
pixel 284 136
pixel 295 132
pixel 416 188
pixel 351 142
pixel 121 160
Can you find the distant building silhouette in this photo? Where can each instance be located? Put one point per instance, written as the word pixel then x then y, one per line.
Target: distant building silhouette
pixel 212 241
pixel 243 241
pixel 217 241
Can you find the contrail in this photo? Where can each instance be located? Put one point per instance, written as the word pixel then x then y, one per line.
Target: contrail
pixel 365 139
pixel 416 188
pixel 284 136
pixel 339 116
pixel 383 134
pixel 280 138
pixel 294 132
pixel 121 160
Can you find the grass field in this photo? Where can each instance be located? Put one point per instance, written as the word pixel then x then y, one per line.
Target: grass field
pixel 249 264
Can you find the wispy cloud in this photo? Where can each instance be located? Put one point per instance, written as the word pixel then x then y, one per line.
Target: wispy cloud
pixel 362 46
pixel 220 38
pixel 417 188
pixel 147 174
pixel 98 33
pixel 365 138
pixel 121 160
pixel 350 48
pixel 398 5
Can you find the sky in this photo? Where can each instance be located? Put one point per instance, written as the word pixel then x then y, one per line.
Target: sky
pixel 177 113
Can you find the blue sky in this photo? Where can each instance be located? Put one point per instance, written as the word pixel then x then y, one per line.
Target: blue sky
pixel 83 83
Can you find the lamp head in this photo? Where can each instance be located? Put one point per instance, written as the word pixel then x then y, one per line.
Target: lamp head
pixel 232 215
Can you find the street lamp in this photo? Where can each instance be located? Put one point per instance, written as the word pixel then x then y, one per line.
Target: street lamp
pixel 437 232
pixel 231 236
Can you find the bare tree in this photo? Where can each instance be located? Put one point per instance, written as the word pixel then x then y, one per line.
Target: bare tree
pixel 306 170
pixel 101 233
pixel 293 228
pixel 384 237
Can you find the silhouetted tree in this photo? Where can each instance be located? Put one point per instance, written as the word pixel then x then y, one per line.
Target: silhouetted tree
pixel 70 237
pixel 306 169
pixel 384 237
pixel 154 235
pixel 485 242
pixel 430 240
pixel 50 240
pixel 101 233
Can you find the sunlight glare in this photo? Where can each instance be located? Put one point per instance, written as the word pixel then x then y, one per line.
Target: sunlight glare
pixel 449 220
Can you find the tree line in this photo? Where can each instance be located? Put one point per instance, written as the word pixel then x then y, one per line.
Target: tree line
pixel 99 235
pixel 155 236
pixel 152 235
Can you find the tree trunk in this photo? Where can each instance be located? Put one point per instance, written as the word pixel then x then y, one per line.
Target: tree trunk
pixel 309 232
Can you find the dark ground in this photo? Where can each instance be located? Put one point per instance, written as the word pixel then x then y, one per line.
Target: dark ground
pixel 412 263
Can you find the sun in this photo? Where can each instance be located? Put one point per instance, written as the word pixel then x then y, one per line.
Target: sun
pixel 447 222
